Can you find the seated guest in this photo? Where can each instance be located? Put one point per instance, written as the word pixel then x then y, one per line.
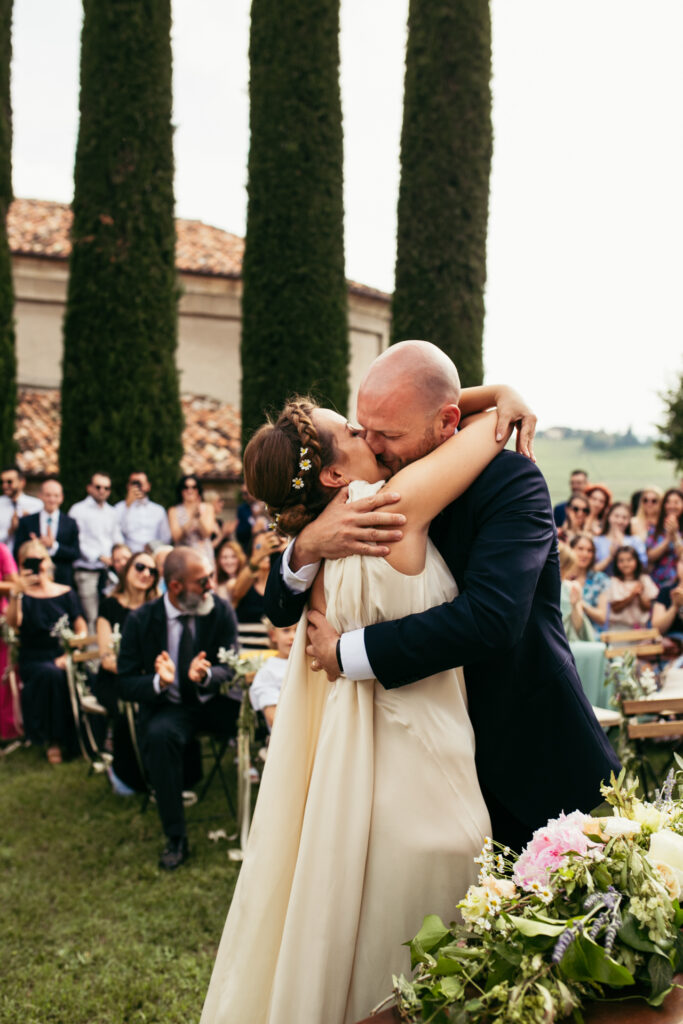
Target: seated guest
pixel 98 533
pixel 667 611
pixel 192 520
pixel 592 582
pixel 578 481
pixel 141 520
pixel 614 535
pixel 647 513
pixel 57 532
pixel 577 510
pixel 160 555
pixel 168 664
pixel 664 542
pixel 247 596
pixel 120 554
pixel 36 605
pixel 599 501
pixel 264 692
pixel 10 710
pixel 230 561
pixel 14 504
pixel 626 602
pixel 589 653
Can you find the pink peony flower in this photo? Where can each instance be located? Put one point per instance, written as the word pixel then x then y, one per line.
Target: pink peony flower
pixel 548 849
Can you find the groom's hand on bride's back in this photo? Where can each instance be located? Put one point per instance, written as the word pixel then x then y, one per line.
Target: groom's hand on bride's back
pixel 363 527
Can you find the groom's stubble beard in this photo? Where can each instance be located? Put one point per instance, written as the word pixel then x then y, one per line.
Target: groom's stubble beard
pixel 424 446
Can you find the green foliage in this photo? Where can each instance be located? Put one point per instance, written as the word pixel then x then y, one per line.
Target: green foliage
pixel 443 197
pixel 294 333
pixel 92 929
pixel 8 362
pixel 670 445
pixel 120 401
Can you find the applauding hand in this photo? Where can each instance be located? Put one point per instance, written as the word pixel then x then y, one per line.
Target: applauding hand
pixel 165 669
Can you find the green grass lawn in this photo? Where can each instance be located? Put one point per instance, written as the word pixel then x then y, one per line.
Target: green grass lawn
pixel 624 470
pixel 93 932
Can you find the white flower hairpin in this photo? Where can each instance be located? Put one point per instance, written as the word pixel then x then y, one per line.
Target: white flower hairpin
pixel 304 466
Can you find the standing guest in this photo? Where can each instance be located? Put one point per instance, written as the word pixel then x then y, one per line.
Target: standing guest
pixel 192 520
pixel 647 513
pixel 626 603
pixel 230 562
pixel 245 519
pixel 592 582
pixel 578 511
pixel 614 535
pixel 14 504
pixel 599 500
pixel 578 481
pixel 98 532
pixel 667 611
pixel 168 665
pixel 10 710
pixel 57 532
pixel 36 605
pixel 120 554
pixel 250 586
pixel 141 520
pixel 664 542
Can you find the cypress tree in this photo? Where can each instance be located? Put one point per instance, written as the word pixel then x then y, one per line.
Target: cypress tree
pixel 294 334
pixel 446 148
pixel 8 362
pixel 670 443
pixel 120 402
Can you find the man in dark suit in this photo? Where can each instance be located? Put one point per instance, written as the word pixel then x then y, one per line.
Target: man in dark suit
pixel 540 749
pixel 57 531
pixel 168 665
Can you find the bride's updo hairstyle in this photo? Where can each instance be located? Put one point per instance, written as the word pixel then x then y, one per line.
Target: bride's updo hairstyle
pixel 276 471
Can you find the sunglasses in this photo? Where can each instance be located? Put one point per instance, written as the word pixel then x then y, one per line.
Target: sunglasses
pixel 579 508
pixel 649 501
pixel 101 487
pixel 141 567
pixel 205 581
pixel 190 487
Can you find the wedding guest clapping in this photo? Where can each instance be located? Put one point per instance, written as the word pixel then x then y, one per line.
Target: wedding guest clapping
pixel 667 611
pixel 615 535
pixel 230 561
pixel 36 605
pixel 626 602
pixel 599 500
pixel 664 542
pixel 593 583
pixel 577 511
pixel 192 520
pixel 647 513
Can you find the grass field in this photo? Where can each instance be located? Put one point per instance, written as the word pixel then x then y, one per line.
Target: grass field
pixel 624 470
pixel 93 932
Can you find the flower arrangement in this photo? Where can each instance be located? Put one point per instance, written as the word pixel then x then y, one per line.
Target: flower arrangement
pixel 628 682
pixel 591 905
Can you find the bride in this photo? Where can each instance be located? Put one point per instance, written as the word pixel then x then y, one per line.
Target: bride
pixel 369 813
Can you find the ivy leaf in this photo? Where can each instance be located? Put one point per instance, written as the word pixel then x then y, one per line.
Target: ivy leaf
pixel 430 935
pixel 531 926
pixel 585 960
pixel 634 936
pixel 661 978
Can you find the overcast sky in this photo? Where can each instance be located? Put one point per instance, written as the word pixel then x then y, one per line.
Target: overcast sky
pixel 585 250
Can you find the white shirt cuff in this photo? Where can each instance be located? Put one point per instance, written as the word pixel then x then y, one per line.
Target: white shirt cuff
pixel 156 683
pixel 301 580
pixel 353 656
pixel 53 549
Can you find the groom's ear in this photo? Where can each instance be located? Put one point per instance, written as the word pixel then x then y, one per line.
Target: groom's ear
pixel 448 419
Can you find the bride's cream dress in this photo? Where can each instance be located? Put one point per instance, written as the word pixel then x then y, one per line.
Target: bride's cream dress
pixel 368 817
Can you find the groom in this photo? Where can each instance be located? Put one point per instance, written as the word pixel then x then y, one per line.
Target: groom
pixel 539 748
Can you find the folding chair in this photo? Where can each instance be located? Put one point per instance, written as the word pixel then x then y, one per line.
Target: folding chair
pixel 644 643
pixel 80 651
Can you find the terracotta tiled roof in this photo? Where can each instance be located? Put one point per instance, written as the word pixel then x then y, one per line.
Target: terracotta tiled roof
pixel 211 439
pixel 37 227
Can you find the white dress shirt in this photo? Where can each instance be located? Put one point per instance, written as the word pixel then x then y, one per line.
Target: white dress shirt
pixel 141 522
pixel 174 631
pixel 25 505
pixel 264 692
pixel 98 532
pixel 53 526
pixel 354 658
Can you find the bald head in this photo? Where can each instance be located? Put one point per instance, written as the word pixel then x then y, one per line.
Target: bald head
pixel 417 369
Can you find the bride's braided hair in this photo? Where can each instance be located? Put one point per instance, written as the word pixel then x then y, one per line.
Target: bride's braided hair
pixel 273 462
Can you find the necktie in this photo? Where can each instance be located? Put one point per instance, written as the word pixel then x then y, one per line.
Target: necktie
pixel 188 693
pixel 49 524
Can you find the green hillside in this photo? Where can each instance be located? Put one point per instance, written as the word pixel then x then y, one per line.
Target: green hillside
pixel 624 470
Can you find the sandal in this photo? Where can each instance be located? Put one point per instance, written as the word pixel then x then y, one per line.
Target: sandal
pixel 54 755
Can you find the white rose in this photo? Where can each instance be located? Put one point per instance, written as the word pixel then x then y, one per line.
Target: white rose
pixel 502 887
pixel 650 817
pixel 668 876
pixel 475 905
pixel 666 847
pixel 618 826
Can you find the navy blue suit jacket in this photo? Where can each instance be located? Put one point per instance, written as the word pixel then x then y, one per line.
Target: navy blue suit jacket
pixel 539 748
pixel 67 539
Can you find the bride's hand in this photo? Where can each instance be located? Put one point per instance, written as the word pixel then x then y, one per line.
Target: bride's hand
pixel 512 410
pixel 342 529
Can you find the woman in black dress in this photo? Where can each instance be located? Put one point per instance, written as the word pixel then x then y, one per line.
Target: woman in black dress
pixel 36 604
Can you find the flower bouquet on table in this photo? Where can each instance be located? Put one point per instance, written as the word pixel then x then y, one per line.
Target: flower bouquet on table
pixel 590 906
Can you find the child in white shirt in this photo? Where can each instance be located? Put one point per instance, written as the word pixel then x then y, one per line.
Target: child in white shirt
pixel 264 692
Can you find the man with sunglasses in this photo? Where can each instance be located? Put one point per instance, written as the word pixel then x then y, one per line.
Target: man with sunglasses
pixel 98 532
pixel 578 482
pixel 168 665
pixel 14 504
pixel 143 522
